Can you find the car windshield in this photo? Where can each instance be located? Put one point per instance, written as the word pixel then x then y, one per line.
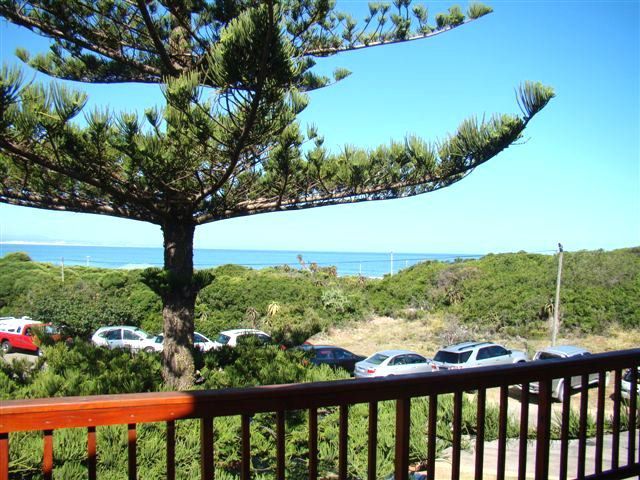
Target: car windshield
pixel 547 356
pixel 223 339
pixel 377 359
pixel 452 357
pixel 141 332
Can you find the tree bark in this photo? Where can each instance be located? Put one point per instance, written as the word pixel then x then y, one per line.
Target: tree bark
pixel 178 304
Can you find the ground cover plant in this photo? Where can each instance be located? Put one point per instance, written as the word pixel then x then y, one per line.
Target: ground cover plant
pixel 81 369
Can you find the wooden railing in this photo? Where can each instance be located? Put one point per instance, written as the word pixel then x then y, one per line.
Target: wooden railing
pixel 49 415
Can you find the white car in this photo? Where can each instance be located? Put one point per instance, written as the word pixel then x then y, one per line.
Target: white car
pixel 476 354
pixel 124 336
pixel 393 362
pixel 231 338
pixel 557 385
pixel 200 342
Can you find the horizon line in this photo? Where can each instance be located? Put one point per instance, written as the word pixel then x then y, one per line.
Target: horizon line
pixel 63 243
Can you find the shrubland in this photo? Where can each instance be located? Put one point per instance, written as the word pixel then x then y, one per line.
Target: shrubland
pixel 511 293
pixel 507 293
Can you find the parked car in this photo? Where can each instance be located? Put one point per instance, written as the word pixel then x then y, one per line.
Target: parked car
pixel 19 334
pixel 393 362
pixel 625 384
pixel 335 357
pixel 556 353
pixel 124 336
pixel 200 342
pixel 232 338
pixel 476 354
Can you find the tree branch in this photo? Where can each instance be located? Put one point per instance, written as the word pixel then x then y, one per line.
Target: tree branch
pixel 52 32
pixel 323 52
pixel 164 56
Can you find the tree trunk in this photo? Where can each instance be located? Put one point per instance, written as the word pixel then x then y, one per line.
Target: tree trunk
pixel 178 300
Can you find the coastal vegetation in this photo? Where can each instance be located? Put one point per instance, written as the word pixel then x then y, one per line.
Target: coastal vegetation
pixel 510 293
pixel 602 289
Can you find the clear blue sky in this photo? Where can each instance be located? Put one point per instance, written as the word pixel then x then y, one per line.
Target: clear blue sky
pixel 574 179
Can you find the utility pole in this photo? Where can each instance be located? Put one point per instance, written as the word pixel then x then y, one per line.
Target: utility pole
pixel 391 263
pixel 62 268
pixel 556 306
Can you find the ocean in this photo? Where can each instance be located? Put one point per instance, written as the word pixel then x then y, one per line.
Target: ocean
pixel 347 263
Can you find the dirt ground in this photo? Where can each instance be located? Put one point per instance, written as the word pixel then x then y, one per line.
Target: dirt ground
pixel 427 335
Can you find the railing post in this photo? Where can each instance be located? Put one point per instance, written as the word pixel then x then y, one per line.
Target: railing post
pixel 524 431
pixel 564 429
pixel 4 456
pixel 343 442
pixel 544 427
pixel 245 471
pixel 502 431
pixel 47 463
pixel 132 448
pixel 313 443
pixel 403 422
pixel 280 446
pixel 91 453
pixel 582 433
pixel 457 435
pixel 602 380
pixel 615 441
pixel 431 436
pixel 206 448
pixel 480 421
pixel 372 448
pixel 171 450
pixel 633 405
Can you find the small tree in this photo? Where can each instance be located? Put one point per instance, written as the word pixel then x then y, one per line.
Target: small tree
pixel 226 143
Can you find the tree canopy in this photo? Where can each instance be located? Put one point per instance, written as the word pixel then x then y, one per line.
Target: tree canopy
pixel 227 142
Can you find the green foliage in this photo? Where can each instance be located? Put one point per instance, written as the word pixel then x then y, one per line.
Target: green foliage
pixel 81 369
pixel 87 299
pixel 509 292
pixel 308 301
pixel 506 292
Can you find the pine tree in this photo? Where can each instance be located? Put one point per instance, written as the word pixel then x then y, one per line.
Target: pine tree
pixel 226 143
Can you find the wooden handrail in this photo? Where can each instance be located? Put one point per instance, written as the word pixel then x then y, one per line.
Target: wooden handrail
pixel 67 412
pixel 51 414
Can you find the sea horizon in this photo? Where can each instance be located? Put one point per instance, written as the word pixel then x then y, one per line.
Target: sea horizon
pixel 369 264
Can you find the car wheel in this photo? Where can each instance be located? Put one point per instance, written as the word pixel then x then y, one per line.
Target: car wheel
pixel 6 346
pixel 149 350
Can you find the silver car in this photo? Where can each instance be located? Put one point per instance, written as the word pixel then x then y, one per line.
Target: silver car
pixel 557 385
pixel 393 362
pixel 476 354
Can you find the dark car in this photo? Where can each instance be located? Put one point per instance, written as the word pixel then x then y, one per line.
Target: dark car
pixel 335 357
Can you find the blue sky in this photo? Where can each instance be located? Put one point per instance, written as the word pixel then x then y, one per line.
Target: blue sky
pixel 575 177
